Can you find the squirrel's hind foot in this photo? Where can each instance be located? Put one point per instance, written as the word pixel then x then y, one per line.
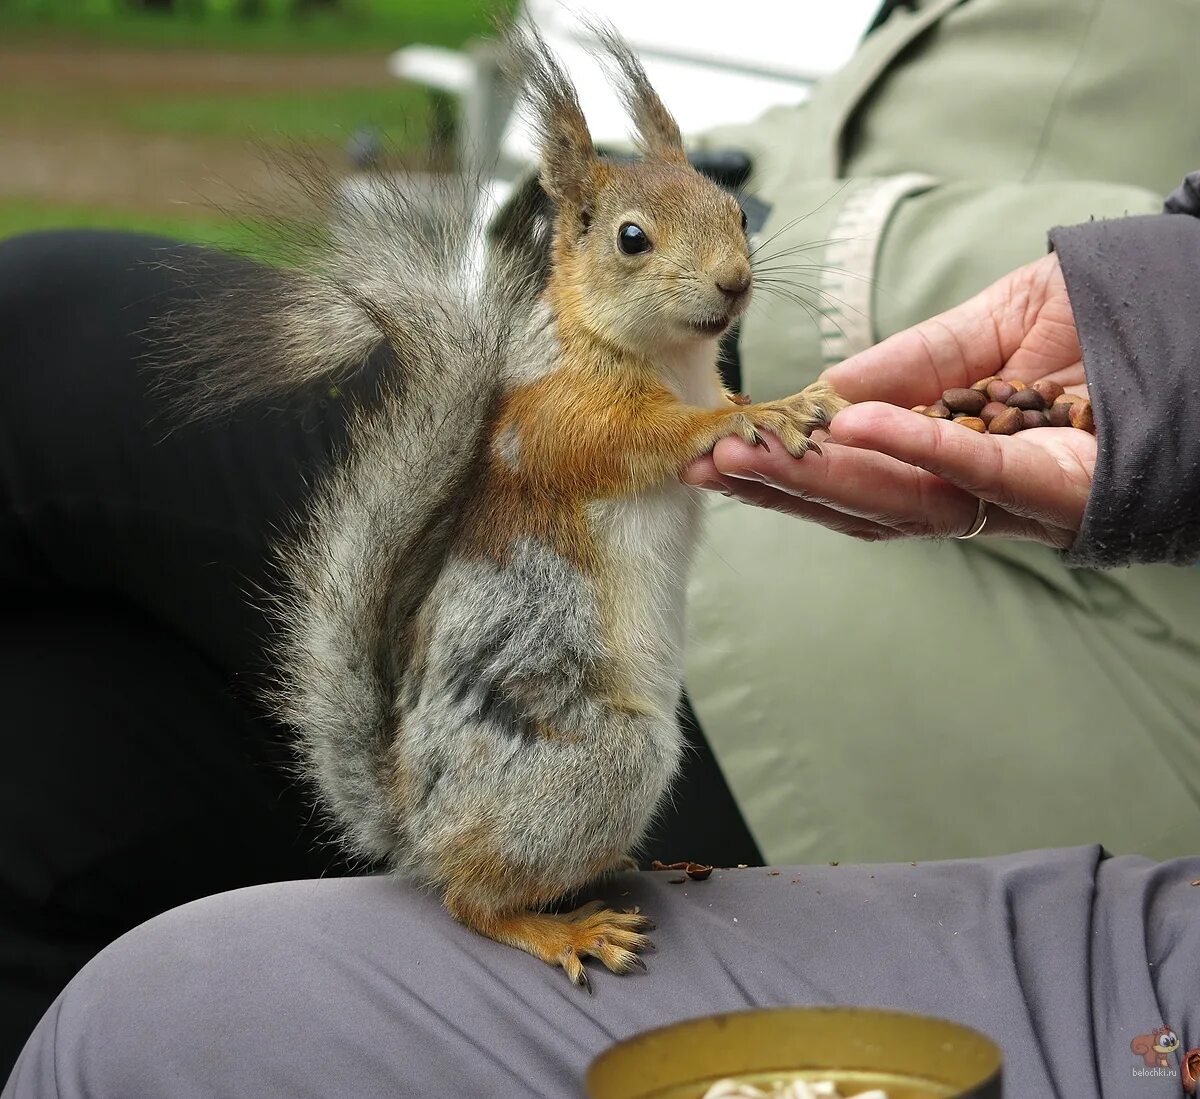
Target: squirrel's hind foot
pixel 565 939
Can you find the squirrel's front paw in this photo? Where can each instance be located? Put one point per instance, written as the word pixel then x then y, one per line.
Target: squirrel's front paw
pixel 822 401
pixel 793 419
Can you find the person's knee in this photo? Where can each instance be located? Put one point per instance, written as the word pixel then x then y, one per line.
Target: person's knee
pixel 152 1011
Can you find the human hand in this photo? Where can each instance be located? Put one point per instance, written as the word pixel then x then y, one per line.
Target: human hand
pixel 885 472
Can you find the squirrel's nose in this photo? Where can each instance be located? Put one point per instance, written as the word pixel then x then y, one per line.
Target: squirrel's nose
pixel 733 284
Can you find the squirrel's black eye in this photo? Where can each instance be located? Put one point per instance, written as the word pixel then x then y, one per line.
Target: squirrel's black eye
pixel 632 239
pixel 743 221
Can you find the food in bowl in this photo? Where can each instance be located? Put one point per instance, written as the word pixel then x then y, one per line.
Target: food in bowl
pixel 783 1089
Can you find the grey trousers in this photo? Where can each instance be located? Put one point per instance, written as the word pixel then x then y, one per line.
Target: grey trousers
pixel 363 987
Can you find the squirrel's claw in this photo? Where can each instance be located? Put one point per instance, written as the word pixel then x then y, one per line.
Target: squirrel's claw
pixel 573 967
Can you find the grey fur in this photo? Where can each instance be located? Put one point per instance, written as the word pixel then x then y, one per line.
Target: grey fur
pixel 377 540
pixel 519 235
pixel 656 129
pixel 508 446
pixel 513 651
pixel 384 268
pixel 552 106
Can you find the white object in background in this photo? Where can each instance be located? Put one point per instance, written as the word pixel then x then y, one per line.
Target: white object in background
pixel 712 62
pixel 449 71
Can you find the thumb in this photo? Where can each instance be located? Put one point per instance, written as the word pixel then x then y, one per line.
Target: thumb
pixel 952 350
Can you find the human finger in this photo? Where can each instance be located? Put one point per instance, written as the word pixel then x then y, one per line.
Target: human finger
pixel 700 473
pixel 1030 480
pixel 764 495
pixel 861 485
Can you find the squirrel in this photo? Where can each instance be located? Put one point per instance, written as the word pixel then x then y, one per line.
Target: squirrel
pixel 483 647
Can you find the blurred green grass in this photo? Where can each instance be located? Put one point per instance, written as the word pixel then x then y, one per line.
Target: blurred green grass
pixel 233 234
pixel 322 115
pixel 217 24
pixel 314 116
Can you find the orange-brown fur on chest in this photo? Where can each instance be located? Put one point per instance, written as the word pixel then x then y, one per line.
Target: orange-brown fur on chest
pixel 587 431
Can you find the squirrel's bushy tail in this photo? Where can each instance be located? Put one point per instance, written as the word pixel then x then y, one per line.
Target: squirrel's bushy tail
pixel 389 273
pixel 381 526
pixel 374 544
pixel 386 261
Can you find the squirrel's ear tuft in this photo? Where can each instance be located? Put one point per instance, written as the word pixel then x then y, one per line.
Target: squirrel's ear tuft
pixel 568 158
pixel 657 131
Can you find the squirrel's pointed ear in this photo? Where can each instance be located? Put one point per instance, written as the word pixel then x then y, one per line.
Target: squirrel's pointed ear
pixel 657 131
pixel 568 158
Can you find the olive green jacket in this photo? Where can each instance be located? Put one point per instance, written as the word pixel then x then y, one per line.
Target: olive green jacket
pixel 828 672
pixel 941 155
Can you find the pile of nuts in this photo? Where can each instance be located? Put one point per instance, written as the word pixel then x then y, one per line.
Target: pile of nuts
pixel 1001 406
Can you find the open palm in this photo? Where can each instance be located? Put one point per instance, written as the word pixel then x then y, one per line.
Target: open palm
pixel 886 472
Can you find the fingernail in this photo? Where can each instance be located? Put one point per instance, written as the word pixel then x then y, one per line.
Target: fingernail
pixel 745 474
pixel 711 486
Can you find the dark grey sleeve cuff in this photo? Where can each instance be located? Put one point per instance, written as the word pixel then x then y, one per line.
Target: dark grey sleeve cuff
pixel 1134 285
